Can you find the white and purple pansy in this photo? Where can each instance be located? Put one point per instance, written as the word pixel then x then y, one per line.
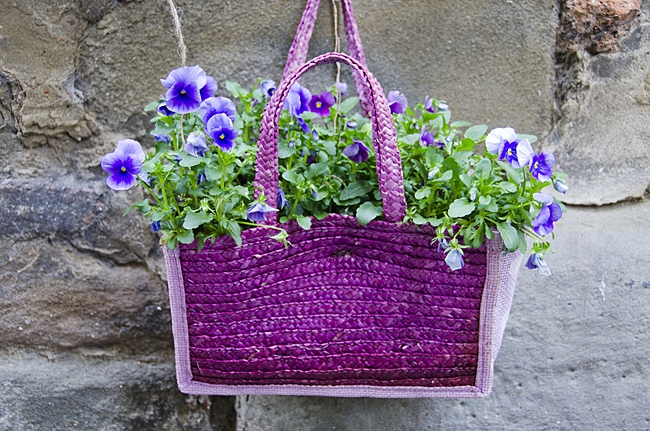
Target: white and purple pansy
pixel 397 102
pixel 217 105
pixel 297 100
pixel 257 213
pixel 195 144
pixel 124 165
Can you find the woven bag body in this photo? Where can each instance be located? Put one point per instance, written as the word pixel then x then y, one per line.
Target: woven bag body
pixel 368 311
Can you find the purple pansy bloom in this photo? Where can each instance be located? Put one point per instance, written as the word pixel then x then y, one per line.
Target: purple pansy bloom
pixel 195 144
pixel 540 166
pixel 268 88
pixel 184 85
pixel 454 260
pixel 161 138
pixel 297 100
pixel 220 129
pixel 282 199
pixel 560 186
pixel 496 139
pixel 443 106
pixel 357 152
pixel 504 141
pixel 155 226
pixel 321 103
pixel 341 87
pixel 443 245
pixel 426 138
pixel 549 214
pixel 217 105
pixel 162 109
pixel 123 165
pixel 351 124
pixel 311 158
pixel 303 125
pixel 209 88
pixel 200 178
pixel 397 102
pixel 535 261
pixel 257 213
pixel 428 105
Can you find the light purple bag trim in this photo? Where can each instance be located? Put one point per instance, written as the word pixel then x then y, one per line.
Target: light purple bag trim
pixel 502 271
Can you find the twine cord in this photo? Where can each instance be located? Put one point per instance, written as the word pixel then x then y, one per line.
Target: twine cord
pixel 177 30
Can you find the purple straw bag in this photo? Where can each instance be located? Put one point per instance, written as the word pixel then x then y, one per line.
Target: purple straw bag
pixel 346 310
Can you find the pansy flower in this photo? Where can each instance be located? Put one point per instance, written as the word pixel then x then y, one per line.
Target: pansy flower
pixel 195 144
pixel 549 214
pixel 123 165
pixel 221 129
pixel 321 103
pixel 162 109
pixel 297 100
pixel 560 186
pixel 209 88
pixel 397 102
pixel 268 88
pixel 454 260
pixel 357 152
pixel 184 89
pixel 427 138
pixel 282 199
pixel 155 226
pixel 504 142
pixel 535 261
pixel 540 166
pixel 257 213
pixel 162 138
pixel 341 87
pixel 428 105
pixel 217 105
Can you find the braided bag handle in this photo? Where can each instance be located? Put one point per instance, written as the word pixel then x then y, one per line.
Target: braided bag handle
pixel 384 140
pixel 298 51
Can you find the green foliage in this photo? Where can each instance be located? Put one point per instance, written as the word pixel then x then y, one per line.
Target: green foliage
pixel 463 191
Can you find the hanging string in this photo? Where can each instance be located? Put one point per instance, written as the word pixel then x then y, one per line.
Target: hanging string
pixel 177 29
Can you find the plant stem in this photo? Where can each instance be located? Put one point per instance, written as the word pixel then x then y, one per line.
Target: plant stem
pixel 182 135
pixel 295 203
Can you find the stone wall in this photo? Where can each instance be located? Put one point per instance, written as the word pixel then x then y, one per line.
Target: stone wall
pixel 85 336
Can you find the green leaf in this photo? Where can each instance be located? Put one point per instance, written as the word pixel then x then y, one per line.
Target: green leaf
pixel 411 139
pixel 446 176
pixel 367 212
pixel 308 116
pixel 293 177
pixel 157 215
pixel 458 124
pixel 523 246
pixel 424 193
pixel 356 189
pixel 285 151
pixel 435 221
pixel 460 208
pixel 186 237
pixel 507 186
pixel 304 222
pixel 151 106
pixel 188 160
pixel 483 169
pixel 234 230
pixel 330 147
pixel 434 157
pixel 509 235
pixel 196 219
pixel 484 200
pixel 475 133
pixel 316 169
pixel 512 173
pixel 531 138
pixel 234 88
pixel 418 219
pixel 466 145
pixel 348 105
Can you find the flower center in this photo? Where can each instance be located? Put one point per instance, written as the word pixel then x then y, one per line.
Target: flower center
pixel 222 136
pixel 319 104
pixel 123 169
pixel 536 165
pixel 183 92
